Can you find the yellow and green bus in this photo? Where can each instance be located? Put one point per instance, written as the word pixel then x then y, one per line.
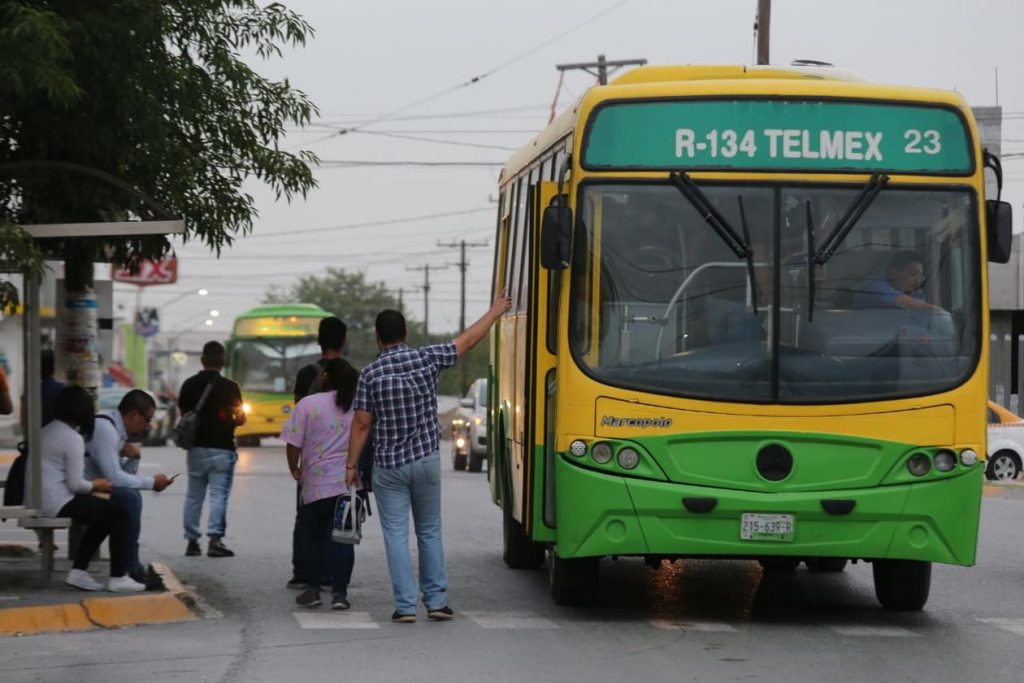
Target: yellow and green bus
pixel 267 347
pixel 748 321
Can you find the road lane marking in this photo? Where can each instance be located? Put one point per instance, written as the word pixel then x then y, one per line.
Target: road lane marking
pixel 511 620
pixel 859 631
pixel 335 620
pixel 1015 626
pixel 705 626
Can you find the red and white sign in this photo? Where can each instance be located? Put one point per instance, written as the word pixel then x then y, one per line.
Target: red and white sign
pixel 163 272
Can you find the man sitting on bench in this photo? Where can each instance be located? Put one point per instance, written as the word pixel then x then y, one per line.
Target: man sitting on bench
pixel 110 456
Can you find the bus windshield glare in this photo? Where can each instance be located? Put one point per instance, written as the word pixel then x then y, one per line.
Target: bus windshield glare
pixel 270 365
pixel 889 308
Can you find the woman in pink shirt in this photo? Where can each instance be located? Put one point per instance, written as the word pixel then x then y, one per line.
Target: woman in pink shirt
pixel 317 435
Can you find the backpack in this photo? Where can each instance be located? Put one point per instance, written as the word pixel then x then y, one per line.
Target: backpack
pixel 316 386
pixel 184 432
pixel 14 488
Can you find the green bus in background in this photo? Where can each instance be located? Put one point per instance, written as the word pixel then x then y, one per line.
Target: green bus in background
pixel 267 347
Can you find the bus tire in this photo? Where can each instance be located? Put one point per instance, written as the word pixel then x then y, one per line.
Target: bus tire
pixel 573 581
pixel 476 461
pixel 826 565
pixel 519 551
pixel 902 585
pixel 459 461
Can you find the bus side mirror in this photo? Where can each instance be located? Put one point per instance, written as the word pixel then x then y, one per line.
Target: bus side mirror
pixel 1000 230
pixel 555 236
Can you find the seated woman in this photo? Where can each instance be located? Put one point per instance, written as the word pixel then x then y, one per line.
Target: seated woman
pixel 67 493
pixel 901 287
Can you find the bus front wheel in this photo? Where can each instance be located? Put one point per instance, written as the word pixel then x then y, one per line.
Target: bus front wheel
pixel 573 581
pixel 902 585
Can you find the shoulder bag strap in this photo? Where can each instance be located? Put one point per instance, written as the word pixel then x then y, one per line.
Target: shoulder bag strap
pixel 206 392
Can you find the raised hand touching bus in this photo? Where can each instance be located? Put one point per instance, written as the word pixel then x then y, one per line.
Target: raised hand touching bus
pixel 472 335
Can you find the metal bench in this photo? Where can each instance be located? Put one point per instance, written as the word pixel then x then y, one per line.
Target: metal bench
pixel 44 526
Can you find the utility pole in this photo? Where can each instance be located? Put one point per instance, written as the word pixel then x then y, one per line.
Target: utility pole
pixel 426 268
pixel 401 309
pixel 462 264
pixel 763 26
pixel 601 65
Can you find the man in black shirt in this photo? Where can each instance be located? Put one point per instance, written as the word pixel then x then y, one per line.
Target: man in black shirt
pixel 211 462
pixel 331 337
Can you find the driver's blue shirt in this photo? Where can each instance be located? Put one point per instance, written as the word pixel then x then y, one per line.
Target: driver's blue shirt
pixel 875 293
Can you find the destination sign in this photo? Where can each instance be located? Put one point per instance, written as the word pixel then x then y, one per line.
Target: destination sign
pixel 777 135
pixel 287 326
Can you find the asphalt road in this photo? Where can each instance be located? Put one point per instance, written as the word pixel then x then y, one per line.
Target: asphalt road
pixel 687 621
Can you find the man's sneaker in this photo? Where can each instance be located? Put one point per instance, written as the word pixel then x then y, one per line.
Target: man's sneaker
pixel 309 598
pixel 340 603
pixel 440 614
pixel 80 579
pixel 295 583
pixel 124 584
pixel 218 549
pixel 193 549
pixel 400 618
pixel 148 578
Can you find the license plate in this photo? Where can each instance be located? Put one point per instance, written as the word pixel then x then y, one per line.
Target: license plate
pixel 755 527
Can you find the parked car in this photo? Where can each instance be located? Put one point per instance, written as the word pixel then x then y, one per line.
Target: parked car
pixel 1005 444
pixel 469 428
pixel 163 419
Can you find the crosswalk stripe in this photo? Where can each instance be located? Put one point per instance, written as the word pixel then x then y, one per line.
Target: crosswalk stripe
pixel 862 631
pixel 511 620
pixel 705 626
pixel 335 620
pixel 1015 626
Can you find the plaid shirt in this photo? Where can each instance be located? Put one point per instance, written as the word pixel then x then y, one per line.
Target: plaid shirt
pixel 400 389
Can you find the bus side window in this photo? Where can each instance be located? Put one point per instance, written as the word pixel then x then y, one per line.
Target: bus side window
pixel 510 241
pixel 519 223
pixel 528 233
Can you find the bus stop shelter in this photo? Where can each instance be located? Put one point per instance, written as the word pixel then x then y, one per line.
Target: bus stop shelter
pixel 32 417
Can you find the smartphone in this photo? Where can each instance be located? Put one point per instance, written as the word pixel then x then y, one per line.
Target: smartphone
pixel 174 476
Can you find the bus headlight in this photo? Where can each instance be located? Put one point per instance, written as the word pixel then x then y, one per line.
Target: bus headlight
pixel 945 461
pixel 460 442
pixel 628 458
pixel 601 453
pixel 246 408
pixel 968 457
pixel 578 448
pixel 919 464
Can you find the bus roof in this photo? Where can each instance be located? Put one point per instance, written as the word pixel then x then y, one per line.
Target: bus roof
pixel 640 77
pixel 281 310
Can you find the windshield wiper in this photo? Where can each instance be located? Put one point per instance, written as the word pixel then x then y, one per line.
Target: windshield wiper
pixel 860 204
pixel 810 264
pixel 709 213
pixel 739 245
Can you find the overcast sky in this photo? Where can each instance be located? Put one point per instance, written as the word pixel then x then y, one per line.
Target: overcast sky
pixel 370 59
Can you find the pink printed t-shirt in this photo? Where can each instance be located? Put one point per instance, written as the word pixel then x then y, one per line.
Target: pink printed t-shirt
pixel 320 429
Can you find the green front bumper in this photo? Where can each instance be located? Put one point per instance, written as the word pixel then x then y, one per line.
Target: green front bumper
pixel 602 514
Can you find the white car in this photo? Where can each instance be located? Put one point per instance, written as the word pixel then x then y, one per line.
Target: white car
pixel 1005 444
pixel 469 428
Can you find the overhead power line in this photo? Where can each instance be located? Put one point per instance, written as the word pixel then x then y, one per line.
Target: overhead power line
pixel 367 224
pixel 403 136
pixel 353 163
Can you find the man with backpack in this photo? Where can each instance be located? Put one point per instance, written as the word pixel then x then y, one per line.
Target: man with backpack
pixel 330 336
pixel 104 460
pixel 212 457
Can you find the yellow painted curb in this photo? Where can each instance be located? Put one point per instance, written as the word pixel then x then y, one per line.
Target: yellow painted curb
pixel 159 608
pixel 7 458
pixel 44 619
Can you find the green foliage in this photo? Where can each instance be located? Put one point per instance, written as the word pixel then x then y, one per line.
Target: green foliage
pixel 156 95
pixel 349 296
pixel 17 251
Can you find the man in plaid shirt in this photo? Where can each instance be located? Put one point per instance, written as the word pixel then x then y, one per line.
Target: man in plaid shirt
pixel 397 398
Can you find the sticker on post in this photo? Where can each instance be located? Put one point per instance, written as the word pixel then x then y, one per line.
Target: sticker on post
pixel 758 527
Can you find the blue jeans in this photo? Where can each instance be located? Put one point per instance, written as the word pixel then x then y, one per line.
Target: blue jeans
pixel 415 487
pixel 130 500
pixel 213 467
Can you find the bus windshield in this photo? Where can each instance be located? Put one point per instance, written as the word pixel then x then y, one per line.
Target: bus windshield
pixel 887 308
pixel 269 364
